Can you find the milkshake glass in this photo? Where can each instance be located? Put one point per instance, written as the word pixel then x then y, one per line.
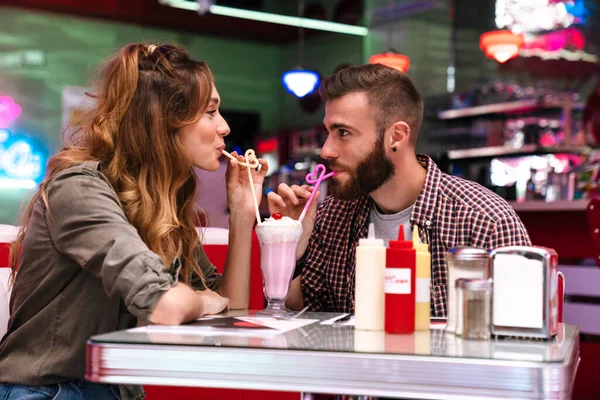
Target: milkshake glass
pixel 278 243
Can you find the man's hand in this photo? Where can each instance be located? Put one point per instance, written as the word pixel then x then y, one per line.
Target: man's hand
pixel 290 202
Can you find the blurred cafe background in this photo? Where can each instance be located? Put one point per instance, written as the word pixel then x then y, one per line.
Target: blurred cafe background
pixel 511 89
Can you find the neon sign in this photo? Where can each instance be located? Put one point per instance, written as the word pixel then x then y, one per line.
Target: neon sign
pixel 533 16
pixel 22 161
pixel 571 38
pixel 9 111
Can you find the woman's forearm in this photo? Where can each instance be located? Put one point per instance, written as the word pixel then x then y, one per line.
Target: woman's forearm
pixel 235 283
pixel 177 305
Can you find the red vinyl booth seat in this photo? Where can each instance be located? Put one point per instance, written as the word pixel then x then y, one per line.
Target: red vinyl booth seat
pixel 217 254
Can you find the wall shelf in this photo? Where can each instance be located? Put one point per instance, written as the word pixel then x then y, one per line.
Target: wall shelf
pixel 503 108
pixel 502 151
pixel 540 206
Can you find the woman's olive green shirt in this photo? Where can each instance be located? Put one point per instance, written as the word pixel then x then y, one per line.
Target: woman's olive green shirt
pixel 83 271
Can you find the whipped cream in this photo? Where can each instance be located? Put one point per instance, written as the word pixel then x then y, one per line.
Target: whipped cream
pixel 283 221
pixel 276 231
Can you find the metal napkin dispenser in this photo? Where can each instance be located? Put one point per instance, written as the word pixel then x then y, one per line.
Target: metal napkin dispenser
pixel 525 297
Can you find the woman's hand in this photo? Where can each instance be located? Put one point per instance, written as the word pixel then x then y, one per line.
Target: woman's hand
pixel 212 302
pixel 182 304
pixel 239 194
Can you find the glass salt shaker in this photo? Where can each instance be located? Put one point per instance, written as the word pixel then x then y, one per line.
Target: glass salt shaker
pixel 463 262
pixel 476 309
pixel 459 286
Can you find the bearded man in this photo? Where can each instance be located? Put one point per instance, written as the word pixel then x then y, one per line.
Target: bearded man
pixel 373 116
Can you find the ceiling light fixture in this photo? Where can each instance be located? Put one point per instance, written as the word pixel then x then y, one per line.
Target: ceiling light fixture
pixel 271 18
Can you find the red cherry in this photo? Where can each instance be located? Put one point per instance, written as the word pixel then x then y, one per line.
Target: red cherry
pixel 276 215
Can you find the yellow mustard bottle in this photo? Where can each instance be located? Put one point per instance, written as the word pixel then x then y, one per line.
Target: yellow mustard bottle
pixel 423 283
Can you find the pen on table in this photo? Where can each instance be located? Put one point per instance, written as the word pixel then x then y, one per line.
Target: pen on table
pixel 343 319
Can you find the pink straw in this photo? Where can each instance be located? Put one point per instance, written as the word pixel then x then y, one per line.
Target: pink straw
pixel 315 178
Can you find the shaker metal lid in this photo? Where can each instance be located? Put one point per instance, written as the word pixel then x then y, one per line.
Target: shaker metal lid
pixel 467 253
pixel 460 283
pixel 477 284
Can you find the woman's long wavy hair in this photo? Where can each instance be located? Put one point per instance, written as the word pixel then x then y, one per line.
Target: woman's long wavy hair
pixel 144 95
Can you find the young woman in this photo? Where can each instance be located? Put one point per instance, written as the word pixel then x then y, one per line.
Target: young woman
pixel 109 238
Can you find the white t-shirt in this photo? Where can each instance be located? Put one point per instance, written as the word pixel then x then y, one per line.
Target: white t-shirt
pixel 388 225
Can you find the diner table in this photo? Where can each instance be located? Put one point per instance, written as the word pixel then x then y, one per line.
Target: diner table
pixel 328 356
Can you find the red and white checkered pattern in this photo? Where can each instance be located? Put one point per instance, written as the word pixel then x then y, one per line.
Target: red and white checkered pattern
pixel 449 212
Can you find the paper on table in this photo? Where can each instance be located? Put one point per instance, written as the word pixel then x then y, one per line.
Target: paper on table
pixel 229 326
pixel 282 325
pixel 226 326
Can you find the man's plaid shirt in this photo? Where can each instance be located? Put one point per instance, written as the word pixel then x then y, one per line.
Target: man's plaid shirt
pixel 449 212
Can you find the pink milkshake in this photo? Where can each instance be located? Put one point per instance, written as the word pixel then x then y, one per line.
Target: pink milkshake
pixel 278 242
pixel 278 265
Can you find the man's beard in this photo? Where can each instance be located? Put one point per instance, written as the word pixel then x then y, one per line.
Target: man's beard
pixel 371 173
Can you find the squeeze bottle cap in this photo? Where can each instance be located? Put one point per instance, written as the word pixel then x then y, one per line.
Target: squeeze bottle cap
pixel 421 247
pixel 401 243
pixel 371 241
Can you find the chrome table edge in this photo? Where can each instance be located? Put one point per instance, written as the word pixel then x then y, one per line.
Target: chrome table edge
pixel 387 375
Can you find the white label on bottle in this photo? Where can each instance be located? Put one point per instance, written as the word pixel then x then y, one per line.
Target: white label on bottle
pixel 423 290
pixel 397 280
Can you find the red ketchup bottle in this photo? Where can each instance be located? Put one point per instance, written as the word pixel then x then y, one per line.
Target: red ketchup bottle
pixel 400 279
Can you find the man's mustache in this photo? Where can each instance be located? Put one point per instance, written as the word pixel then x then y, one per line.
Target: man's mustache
pixel 332 165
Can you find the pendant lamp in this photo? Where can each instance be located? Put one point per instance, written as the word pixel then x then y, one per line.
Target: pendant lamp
pixel 501 45
pixel 391 58
pixel 300 81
